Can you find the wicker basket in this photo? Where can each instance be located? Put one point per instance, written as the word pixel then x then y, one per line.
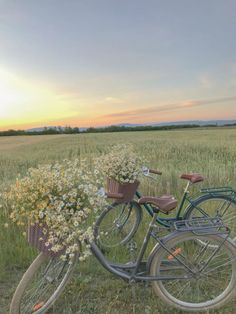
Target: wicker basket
pixel 127 190
pixel 35 233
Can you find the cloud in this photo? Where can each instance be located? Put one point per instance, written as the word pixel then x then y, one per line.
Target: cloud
pixel 168 107
pixel 113 100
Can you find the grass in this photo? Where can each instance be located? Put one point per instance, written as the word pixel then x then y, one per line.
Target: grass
pixel 211 152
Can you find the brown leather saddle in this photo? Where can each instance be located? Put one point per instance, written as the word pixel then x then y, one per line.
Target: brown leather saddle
pixel 165 203
pixel 193 177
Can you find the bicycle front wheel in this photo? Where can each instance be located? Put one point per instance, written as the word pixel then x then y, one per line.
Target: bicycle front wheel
pixel 117 224
pixel 199 277
pixel 41 285
pixel 223 206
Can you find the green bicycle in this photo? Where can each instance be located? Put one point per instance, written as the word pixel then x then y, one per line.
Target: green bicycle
pixel 119 222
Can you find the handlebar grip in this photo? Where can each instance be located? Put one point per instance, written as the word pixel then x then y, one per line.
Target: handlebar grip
pixel 155 171
pixel 114 195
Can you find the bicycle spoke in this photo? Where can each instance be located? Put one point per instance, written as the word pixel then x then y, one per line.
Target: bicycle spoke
pixel 180 291
pixel 219 266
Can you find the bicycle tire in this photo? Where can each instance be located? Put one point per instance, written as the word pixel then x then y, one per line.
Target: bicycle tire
pixel 20 304
pixel 114 226
pixel 206 202
pixel 186 296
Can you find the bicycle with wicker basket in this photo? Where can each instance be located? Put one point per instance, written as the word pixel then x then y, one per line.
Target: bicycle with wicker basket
pixel 196 255
pixel 184 274
pixel 119 221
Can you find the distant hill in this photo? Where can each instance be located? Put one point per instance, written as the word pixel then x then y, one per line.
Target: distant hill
pixel 130 125
pixel 188 122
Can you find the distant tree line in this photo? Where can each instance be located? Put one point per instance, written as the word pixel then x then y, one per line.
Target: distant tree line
pixel 112 128
pixel 115 128
pixel 45 131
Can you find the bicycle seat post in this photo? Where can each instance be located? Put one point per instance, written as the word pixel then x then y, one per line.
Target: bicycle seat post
pixel 186 191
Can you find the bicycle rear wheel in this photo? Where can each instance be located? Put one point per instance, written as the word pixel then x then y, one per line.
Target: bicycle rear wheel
pixel 117 224
pixel 41 285
pixel 213 281
pixel 223 206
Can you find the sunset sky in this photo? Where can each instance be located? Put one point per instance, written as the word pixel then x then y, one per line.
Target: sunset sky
pixel 102 62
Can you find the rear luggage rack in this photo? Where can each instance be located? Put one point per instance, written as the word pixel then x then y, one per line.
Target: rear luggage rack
pixel 218 190
pixel 201 226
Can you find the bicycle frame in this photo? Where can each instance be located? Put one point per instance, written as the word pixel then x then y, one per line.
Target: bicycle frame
pixel 129 271
pixel 132 272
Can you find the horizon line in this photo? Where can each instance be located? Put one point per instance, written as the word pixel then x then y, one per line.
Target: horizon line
pixel 118 124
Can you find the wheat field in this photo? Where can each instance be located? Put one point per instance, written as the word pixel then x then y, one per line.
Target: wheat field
pixel 211 152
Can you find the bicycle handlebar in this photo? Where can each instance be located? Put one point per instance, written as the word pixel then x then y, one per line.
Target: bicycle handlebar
pixel 146 171
pixel 155 171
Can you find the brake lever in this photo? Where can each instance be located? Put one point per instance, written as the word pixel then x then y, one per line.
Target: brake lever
pixel 145 171
pixel 153 178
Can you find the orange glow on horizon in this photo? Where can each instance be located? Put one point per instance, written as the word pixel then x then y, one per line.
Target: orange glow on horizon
pixel 101 122
pixel 31 104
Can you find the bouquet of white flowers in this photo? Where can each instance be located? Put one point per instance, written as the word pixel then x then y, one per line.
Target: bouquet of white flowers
pixel 122 167
pixel 56 201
